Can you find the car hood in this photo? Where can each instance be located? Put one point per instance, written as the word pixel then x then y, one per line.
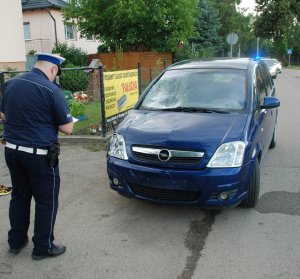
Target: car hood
pixel 182 130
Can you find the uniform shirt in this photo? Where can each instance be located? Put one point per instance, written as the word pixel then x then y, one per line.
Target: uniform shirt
pixel 34 107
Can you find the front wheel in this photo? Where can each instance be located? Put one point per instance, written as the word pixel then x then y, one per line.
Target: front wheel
pixel 254 187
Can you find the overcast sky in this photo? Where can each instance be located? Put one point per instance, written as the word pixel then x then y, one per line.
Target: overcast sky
pixel 248 4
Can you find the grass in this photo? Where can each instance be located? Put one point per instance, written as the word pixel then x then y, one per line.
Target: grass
pixel 93 113
pixel 292 67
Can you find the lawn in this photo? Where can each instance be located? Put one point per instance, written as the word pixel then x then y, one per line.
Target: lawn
pixel 93 114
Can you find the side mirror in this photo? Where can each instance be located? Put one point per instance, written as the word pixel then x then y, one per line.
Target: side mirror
pixel 270 102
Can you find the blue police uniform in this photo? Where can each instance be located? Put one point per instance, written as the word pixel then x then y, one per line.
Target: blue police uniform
pixel 34 107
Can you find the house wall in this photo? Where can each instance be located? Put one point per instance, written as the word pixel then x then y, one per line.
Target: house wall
pixel 12 48
pixel 43 32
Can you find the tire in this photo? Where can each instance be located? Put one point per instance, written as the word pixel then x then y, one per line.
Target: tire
pixel 274 138
pixel 254 187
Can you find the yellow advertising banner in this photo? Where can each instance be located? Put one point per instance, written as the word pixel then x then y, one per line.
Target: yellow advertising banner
pixel 120 91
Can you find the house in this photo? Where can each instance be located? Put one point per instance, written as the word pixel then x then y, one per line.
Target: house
pixel 44 26
pixel 12 48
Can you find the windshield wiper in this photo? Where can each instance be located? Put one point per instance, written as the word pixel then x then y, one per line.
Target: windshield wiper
pixel 194 109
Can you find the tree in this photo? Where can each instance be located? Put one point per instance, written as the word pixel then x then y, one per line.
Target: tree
pixel 293 42
pixel 234 21
pixel 207 27
pixel 227 12
pixel 243 28
pixel 135 25
pixel 274 20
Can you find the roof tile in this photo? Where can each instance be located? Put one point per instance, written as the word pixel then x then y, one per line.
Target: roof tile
pixel 42 4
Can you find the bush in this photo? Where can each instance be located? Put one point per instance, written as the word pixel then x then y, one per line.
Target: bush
pixel 73 80
pixel 183 53
pixel 77 108
pixel 103 48
pixel 73 55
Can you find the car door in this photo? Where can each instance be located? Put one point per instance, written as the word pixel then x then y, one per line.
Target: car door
pixel 271 114
pixel 262 116
pixel 270 88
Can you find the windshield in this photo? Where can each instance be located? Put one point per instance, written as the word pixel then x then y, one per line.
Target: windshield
pixel 209 89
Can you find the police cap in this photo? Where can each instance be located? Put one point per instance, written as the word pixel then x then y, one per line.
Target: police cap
pixel 52 58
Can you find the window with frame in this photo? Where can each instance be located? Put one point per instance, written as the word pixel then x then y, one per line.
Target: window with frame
pixel 70 32
pixel 267 78
pixel 260 86
pixel 26 30
pixel 255 99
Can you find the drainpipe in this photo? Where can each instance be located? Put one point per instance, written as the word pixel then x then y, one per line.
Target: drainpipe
pixel 55 32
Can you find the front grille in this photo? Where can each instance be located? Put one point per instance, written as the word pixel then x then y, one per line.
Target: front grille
pixel 165 194
pixel 161 155
pixel 154 158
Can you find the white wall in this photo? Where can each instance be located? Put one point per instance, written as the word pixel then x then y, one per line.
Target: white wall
pixel 43 32
pixel 42 36
pixel 12 47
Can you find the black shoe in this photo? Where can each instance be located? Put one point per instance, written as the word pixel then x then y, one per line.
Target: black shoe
pixel 17 251
pixel 55 251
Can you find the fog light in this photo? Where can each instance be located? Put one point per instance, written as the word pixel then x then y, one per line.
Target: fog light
pixel 223 196
pixel 115 181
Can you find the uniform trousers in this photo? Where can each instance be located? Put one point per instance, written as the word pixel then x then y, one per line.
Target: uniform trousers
pixel 32 176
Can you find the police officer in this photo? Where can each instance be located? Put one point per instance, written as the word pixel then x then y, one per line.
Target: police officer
pixel 34 110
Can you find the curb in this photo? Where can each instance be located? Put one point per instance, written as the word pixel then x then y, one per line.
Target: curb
pixel 90 140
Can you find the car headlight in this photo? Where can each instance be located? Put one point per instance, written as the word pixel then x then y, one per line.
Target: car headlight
pixel 117 147
pixel 228 155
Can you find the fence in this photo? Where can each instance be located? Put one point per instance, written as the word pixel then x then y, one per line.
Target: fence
pixel 85 94
pixel 150 62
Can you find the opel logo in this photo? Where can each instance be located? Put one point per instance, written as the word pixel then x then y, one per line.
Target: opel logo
pixel 164 155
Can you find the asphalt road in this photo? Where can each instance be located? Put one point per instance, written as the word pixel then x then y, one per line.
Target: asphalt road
pixel 109 236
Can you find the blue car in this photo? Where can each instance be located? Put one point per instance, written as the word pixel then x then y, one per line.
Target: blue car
pixel 197 135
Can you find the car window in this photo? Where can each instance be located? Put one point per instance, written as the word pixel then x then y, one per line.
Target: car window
pixel 210 88
pixel 260 86
pixel 267 79
pixel 255 99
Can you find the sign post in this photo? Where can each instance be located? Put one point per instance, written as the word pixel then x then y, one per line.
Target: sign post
pixel 289 51
pixel 232 39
